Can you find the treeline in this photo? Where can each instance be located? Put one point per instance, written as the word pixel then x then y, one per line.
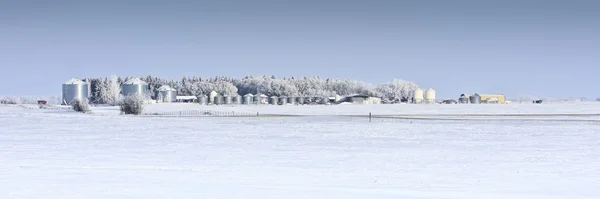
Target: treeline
pixel 104 90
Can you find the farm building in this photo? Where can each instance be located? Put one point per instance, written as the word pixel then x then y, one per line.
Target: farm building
pixel 493 98
pixel 360 99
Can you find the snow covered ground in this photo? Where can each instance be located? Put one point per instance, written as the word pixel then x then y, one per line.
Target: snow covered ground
pixel 56 153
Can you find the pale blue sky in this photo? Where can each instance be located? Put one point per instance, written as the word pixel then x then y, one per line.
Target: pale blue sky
pixel 543 48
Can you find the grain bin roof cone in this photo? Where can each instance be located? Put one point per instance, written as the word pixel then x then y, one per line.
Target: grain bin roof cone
pixel 429 96
pixel 134 86
pixel 74 90
pixel 418 96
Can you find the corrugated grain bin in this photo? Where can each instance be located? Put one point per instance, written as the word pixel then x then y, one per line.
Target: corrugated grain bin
pixel 218 100
pixel 237 99
pixel 475 99
pixel 283 100
pixel 227 99
pixel 300 100
pixel 248 99
pixel 264 99
pixel 202 99
pixel 273 100
pixel 166 94
pixel 74 90
pixel 463 99
pixel 257 99
pixel 291 100
pixel 134 86
pixel 211 97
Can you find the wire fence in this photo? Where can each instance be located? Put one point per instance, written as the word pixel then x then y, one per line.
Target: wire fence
pixel 204 113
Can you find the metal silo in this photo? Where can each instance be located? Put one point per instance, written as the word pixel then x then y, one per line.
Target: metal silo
pixel 475 99
pixel 257 99
pixel 300 100
pixel 202 99
pixel 166 94
pixel 291 100
pixel 134 86
pixel 429 96
pixel 227 99
pixel 418 96
pixel 74 90
pixel 463 99
pixel 211 97
pixel 273 100
pixel 218 99
pixel 264 99
pixel 323 100
pixel 237 99
pixel 248 99
pixel 283 100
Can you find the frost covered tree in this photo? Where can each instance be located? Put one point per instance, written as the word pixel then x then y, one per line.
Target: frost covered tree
pixel 110 91
pixel 397 90
pixel 268 85
pixel 225 88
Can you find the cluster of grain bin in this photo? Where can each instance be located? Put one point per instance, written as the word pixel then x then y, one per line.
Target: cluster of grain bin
pixel 248 99
pixel 74 90
pixel 424 97
pixel 482 99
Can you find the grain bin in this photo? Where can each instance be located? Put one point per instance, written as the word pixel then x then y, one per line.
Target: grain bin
pixel 300 100
pixel 227 99
pixel 264 99
pixel 134 86
pixel 273 100
pixel 323 100
pixel 211 97
pixel 429 96
pixel 237 99
pixel 248 99
pixel 166 94
pixel 202 99
pixel 418 96
pixel 74 90
pixel 463 99
pixel 257 99
pixel 291 100
pixel 283 100
pixel 475 99
pixel 218 100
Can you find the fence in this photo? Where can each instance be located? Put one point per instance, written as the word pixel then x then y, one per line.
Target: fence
pixel 202 113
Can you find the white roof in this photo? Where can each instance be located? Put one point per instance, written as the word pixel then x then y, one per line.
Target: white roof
pixel 75 81
pixel 186 97
pixel 135 81
pixel 166 88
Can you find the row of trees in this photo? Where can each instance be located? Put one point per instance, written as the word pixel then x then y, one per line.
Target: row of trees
pixel 106 90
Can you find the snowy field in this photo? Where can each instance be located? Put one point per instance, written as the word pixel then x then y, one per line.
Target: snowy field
pixel 56 153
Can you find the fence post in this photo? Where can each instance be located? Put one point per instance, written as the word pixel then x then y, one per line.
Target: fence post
pixel 369 116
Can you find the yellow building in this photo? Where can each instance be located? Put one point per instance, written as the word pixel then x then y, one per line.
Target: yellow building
pixel 493 98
